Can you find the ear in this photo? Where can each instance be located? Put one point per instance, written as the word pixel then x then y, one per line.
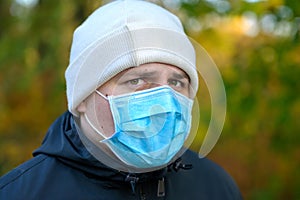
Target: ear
pixel 81 108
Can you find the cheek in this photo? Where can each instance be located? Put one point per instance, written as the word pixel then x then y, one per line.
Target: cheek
pixel 104 116
pixel 101 106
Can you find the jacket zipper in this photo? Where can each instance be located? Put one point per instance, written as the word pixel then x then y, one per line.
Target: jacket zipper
pixel 133 180
pixel 161 187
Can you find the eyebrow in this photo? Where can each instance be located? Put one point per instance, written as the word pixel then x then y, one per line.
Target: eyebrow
pixel 177 75
pixel 181 75
pixel 146 74
pixel 141 73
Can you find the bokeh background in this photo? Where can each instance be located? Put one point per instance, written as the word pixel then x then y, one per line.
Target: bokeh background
pixel 255 44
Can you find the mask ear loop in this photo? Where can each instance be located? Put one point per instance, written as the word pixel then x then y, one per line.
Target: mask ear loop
pixel 89 121
pixel 102 95
pixel 93 127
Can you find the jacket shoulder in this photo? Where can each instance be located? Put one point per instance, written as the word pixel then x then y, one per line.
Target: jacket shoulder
pixel 210 177
pixel 204 165
pixel 19 171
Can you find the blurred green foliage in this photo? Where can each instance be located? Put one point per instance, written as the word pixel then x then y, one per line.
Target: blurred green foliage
pixel 254 43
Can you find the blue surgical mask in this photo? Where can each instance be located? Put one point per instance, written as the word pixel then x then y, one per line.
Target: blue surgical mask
pixel 151 126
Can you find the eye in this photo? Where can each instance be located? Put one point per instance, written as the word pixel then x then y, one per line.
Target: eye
pixel 176 83
pixel 136 81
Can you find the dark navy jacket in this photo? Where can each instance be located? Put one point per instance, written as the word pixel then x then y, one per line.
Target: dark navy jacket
pixel 62 168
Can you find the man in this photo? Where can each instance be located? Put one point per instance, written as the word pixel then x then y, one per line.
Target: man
pixel 131 82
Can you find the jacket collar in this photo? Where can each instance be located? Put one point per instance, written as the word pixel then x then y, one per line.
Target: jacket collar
pixel 63 142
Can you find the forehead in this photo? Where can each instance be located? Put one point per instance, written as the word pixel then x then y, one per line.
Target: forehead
pixel 153 69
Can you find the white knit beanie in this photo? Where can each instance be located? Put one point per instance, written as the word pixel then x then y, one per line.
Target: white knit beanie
pixel 120 35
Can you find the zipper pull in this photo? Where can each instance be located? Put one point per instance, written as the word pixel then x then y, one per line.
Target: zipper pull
pixel 132 180
pixel 161 187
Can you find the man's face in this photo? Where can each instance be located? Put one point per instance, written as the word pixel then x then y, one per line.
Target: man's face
pixel 134 79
